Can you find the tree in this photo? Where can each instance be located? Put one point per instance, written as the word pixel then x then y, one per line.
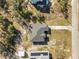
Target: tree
pixel 7 51
pixel 41 18
pixel 24 14
pixel 64 9
pixel 3 4
pixel 13 36
pixel 1 18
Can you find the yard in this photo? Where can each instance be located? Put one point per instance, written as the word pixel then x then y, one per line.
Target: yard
pixel 59 45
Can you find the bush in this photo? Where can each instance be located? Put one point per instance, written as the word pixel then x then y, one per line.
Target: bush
pixel 13 37
pixel 24 14
pixel 11 29
pixel 1 18
pixel 64 9
pixel 41 18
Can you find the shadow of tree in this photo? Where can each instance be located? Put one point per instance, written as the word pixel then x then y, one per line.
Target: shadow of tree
pixel 7 51
pixel 41 19
pixel 34 19
pixel 50 56
pixel 64 7
pixel 4 5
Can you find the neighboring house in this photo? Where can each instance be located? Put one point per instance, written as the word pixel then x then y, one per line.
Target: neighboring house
pixel 33 54
pixel 39 55
pixel 39 33
pixel 42 5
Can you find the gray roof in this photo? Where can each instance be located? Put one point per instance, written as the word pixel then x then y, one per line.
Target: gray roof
pixel 39 55
pixel 37 32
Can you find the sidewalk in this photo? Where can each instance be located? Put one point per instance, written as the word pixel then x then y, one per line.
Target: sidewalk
pixel 61 27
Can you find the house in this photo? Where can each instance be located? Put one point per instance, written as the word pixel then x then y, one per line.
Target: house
pixel 39 33
pixel 42 5
pixel 33 54
pixel 39 55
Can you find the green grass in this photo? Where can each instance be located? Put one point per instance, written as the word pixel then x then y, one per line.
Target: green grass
pixel 1 18
pixel 64 22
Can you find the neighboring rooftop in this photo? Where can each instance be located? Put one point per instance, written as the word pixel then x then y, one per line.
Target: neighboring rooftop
pixel 42 5
pixel 39 55
pixel 32 54
pixel 41 1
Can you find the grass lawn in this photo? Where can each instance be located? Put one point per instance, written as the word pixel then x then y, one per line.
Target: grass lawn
pixel 59 44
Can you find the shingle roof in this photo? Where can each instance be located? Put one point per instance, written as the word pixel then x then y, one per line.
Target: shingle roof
pixel 37 32
pixel 39 54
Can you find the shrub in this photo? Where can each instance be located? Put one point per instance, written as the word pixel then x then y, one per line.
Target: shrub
pixel 1 18
pixel 64 9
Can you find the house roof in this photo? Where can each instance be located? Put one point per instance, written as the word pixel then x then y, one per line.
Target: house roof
pixel 42 5
pixel 41 1
pixel 39 54
pixel 37 33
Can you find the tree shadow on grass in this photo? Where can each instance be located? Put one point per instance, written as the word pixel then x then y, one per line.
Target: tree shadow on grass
pixel 50 56
pixel 7 51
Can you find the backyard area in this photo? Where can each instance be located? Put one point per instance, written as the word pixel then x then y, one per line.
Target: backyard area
pixel 59 45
